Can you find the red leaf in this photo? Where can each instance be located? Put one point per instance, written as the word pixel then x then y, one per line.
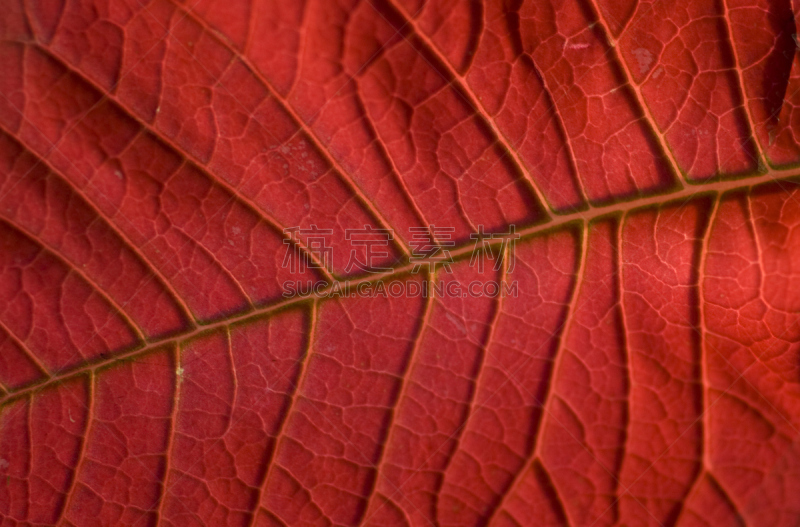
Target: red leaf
pixel 167 168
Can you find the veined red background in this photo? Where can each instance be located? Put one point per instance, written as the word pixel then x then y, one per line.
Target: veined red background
pixel 153 154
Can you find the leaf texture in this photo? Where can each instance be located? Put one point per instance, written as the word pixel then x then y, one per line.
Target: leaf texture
pixel 158 158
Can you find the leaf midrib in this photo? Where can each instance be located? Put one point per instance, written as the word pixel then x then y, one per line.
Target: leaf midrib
pixel 462 252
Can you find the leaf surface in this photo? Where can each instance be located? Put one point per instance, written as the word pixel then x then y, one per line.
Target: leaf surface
pixel 159 159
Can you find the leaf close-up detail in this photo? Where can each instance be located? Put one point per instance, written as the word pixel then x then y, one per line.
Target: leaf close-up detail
pixel 400 262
